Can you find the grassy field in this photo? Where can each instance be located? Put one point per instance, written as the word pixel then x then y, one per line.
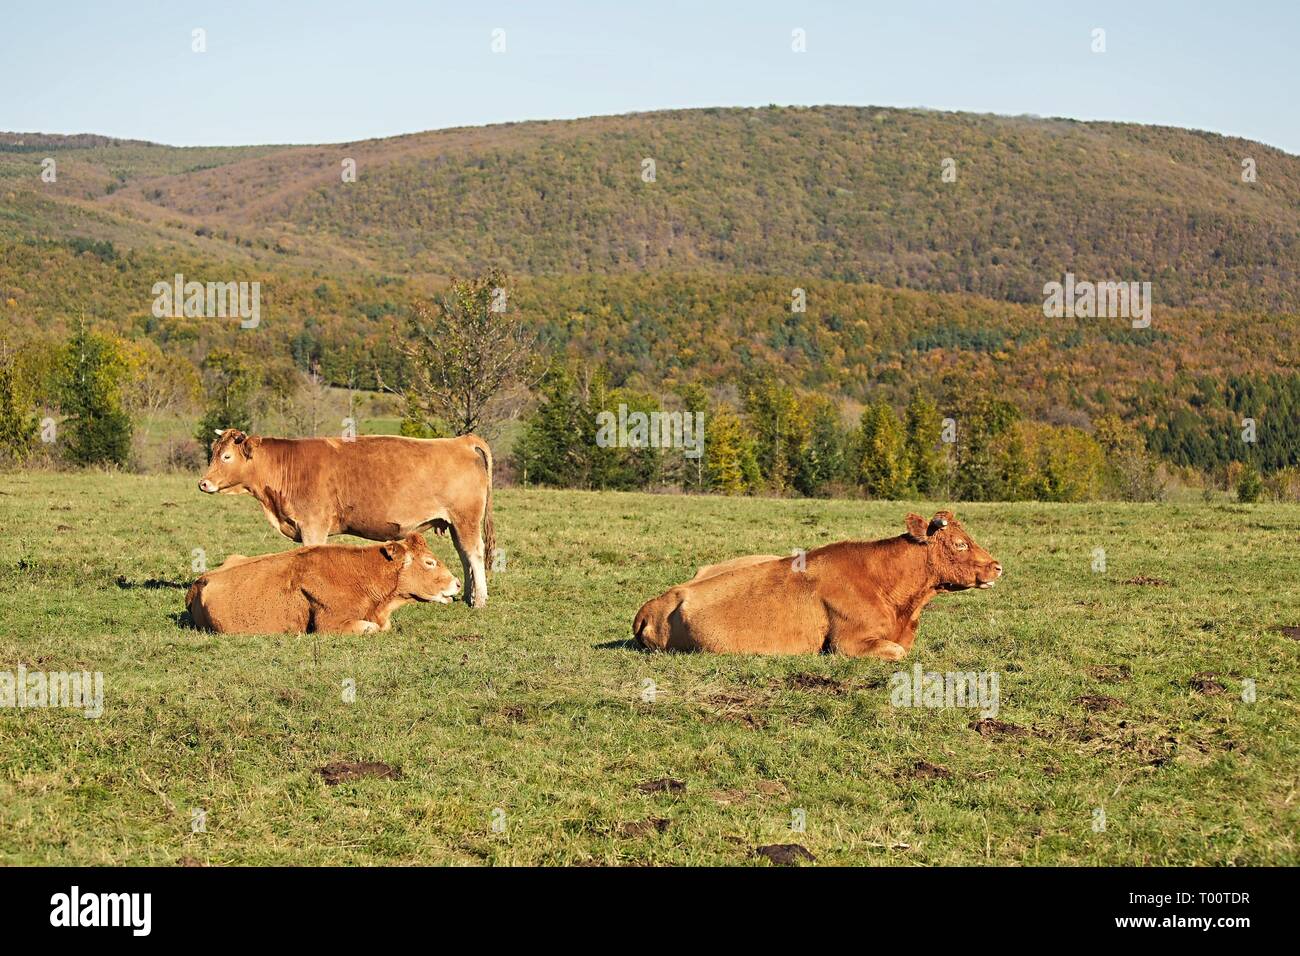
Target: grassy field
pixel 531 713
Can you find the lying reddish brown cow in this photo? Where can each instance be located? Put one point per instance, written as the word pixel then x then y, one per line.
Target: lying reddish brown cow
pixel 331 587
pixel 378 487
pixel 854 597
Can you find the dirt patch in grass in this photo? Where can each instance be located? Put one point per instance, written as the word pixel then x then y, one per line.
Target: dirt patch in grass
pixel 785 854
pixel 636 829
pixel 1290 630
pixel 763 788
pixel 989 727
pixel 1110 673
pixel 1145 580
pixel 731 797
pixel 924 770
pixel 662 785
pixel 737 706
pixel 748 721
pixel 1098 702
pixel 1205 683
pixel 510 714
pixel 1150 744
pixel 722 701
pixel 342 771
pixel 467 638
pixel 815 682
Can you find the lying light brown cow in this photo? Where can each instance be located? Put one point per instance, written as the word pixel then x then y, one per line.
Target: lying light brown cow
pixel 376 486
pixel 857 598
pixel 331 587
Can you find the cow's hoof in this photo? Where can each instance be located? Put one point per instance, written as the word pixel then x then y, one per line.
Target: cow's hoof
pixel 888 651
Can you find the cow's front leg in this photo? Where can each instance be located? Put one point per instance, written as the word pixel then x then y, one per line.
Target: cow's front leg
pixel 883 649
pixel 330 624
pixel 865 641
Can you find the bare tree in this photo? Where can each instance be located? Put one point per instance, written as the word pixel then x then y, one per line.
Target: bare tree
pixel 305 410
pixel 159 385
pixel 468 361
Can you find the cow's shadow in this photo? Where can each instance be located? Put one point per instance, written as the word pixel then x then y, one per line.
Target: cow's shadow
pixel 182 620
pixel 624 645
pixel 150 584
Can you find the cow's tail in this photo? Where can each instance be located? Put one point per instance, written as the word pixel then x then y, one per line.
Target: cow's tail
pixel 193 593
pixel 643 631
pixel 194 604
pixel 489 528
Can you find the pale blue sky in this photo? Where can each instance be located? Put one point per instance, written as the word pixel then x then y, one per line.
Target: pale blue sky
pixel 329 71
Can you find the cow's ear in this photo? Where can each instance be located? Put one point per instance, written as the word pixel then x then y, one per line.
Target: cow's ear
pixel 916 528
pixel 939 521
pixel 416 540
pixel 247 443
pixel 393 550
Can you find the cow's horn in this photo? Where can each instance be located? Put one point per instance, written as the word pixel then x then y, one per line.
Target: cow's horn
pixel 219 431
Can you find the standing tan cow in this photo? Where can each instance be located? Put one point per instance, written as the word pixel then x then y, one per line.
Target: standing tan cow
pixel 330 587
pixel 859 598
pixel 376 486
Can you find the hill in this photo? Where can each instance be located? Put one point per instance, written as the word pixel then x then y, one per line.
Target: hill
pixel 831 192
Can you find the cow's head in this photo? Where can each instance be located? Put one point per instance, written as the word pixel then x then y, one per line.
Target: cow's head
pixel 952 555
pixel 231 466
pixel 420 576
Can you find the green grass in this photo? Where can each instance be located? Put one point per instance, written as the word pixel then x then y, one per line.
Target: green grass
pixel 534 705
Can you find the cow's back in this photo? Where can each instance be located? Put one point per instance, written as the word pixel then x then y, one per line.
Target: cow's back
pixel 712 570
pixel 386 486
pixel 257 595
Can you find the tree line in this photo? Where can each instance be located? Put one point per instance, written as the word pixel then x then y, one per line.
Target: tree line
pixel 765 437
pixel 466 360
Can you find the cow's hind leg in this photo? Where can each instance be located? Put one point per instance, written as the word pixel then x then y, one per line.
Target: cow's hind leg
pixel 468 539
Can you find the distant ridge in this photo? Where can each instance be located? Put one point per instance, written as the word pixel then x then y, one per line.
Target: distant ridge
pixel 846 193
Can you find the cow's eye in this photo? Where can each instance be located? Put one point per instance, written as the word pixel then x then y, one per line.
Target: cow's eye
pixel 960 545
pixel 430 562
pixel 227 456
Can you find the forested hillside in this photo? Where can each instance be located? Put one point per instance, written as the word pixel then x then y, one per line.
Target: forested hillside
pixel 914 282
pixel 831 192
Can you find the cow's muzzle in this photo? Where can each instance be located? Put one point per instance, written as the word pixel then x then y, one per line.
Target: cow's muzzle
pixel 208 487
pixel 449 595
pixel 983 583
